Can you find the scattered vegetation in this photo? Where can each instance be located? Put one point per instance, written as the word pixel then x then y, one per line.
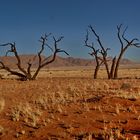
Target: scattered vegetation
pixel 77 108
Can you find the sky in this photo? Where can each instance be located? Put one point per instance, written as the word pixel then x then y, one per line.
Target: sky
pixel 24 21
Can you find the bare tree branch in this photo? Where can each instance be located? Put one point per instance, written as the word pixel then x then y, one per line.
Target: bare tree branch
pixel 57 50
pixel 12 72
pixel 119 36
pixel 98 38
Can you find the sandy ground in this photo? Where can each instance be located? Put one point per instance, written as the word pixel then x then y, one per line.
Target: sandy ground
pixel 70 105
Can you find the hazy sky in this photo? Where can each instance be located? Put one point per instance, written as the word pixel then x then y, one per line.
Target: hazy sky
pixel 24 21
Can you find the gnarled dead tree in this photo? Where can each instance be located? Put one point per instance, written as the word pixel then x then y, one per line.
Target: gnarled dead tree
pixel 104 53
pixel 125 44
pixel 25 74
pixel 96 54
pixel 112 71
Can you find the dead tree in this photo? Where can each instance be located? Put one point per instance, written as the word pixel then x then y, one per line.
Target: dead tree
pixel 25 74
pixel 125 44
pixel 96 54
pixel 112 72
pixel 103 51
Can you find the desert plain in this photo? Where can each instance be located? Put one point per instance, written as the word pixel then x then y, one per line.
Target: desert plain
pixel 68 104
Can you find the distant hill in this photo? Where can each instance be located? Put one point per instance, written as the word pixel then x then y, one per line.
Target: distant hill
pixel 59 62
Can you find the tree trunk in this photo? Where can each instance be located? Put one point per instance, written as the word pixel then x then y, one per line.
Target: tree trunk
pixel 36 73
pixel 112 68
pixel 117 65
pixel 107 69
pixel 96 71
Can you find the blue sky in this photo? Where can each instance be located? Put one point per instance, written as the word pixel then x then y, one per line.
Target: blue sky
pixel 24 21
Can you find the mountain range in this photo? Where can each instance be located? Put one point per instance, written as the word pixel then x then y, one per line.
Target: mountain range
pixel 59 62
